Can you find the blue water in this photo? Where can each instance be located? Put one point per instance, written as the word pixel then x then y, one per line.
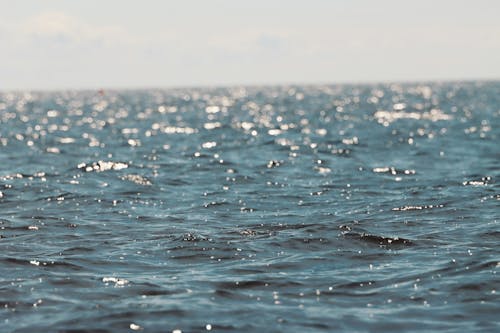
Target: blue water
pixel 357 208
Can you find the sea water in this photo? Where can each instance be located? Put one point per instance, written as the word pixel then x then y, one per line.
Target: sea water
pixel 251 209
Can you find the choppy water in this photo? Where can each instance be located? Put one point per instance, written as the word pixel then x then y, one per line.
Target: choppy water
pixel 273 209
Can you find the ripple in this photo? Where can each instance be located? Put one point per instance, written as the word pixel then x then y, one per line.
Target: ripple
pixel 118 282
pixel 137 179
pixel 482 182
pixel 380 240
pixel 387 117
pixel 295 208
pixel 101 166
pixel 409 208
pixel 393 171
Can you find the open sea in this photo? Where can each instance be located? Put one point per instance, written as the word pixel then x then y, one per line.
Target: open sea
pixel 355 208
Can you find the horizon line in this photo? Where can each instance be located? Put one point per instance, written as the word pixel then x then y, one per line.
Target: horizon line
pixel 254 85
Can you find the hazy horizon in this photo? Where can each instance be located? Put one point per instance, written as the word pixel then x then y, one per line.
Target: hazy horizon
pixel 249 85
pixel 58 45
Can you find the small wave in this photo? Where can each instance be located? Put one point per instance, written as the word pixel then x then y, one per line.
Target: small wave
pixel 409 208
pixel 380 240
pixel 387 117
pixel 481 182
pixel 101 166
pixel 137 179
pixel 118 282
pixel 394 171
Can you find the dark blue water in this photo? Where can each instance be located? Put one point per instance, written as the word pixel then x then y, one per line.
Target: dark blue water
pixel 265 209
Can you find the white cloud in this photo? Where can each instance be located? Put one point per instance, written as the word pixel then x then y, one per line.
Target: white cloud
pixel 61 27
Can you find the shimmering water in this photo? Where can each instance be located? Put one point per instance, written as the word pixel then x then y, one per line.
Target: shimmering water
pixel 265 209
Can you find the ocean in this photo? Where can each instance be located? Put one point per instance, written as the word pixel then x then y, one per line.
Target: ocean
pixel 321 208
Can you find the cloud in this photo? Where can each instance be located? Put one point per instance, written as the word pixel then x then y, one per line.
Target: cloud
pixel 55 49
pixel 60 27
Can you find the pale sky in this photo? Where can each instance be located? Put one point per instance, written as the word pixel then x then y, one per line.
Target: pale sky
pixel 91 44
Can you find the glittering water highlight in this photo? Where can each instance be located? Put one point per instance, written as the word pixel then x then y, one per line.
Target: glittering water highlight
pixel 292 208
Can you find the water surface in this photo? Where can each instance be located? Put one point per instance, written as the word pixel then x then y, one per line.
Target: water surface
pixel 258 209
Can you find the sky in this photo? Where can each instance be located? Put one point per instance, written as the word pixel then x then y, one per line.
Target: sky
pixel 93 44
